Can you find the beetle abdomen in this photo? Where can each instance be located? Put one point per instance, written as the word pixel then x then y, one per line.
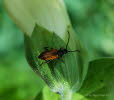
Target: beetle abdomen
pixel 49 55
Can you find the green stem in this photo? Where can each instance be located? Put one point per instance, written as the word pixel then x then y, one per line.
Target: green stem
pixel 66 95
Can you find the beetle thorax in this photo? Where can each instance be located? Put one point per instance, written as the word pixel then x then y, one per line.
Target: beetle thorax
pixel 61 52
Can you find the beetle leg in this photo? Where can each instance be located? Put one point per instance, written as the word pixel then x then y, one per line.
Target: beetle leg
pixel 60 58
pixel 45 62
pixel 47 48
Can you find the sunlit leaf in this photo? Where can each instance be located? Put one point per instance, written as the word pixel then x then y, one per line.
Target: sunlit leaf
pixel 50 14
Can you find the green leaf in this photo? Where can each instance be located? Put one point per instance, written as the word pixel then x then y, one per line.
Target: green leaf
pixel 111 97
pixel 46 94
pixel 50 17
pixel 99 79
pixel 69 70
pixel 99 82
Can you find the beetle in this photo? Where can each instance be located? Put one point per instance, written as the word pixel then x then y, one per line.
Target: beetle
pixel 52 54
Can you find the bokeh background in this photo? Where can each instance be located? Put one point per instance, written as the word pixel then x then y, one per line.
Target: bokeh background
pixel 17 80
pixel 93 20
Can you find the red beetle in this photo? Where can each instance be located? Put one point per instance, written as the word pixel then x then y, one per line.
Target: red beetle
pixel 49 55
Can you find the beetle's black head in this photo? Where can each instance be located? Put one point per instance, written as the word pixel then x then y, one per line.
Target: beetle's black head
pixel 65 51
pixel 61 52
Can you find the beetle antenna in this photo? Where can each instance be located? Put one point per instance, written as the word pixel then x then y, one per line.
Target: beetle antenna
pixel 68 39
pixel 74 51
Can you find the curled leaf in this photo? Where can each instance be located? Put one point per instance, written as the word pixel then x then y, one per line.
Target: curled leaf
pixel 68 71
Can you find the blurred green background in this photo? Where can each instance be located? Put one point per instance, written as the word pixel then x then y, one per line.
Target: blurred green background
pixel 17 80
pixel 93 20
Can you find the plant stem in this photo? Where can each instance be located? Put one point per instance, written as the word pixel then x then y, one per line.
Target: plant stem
pixel 66 95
